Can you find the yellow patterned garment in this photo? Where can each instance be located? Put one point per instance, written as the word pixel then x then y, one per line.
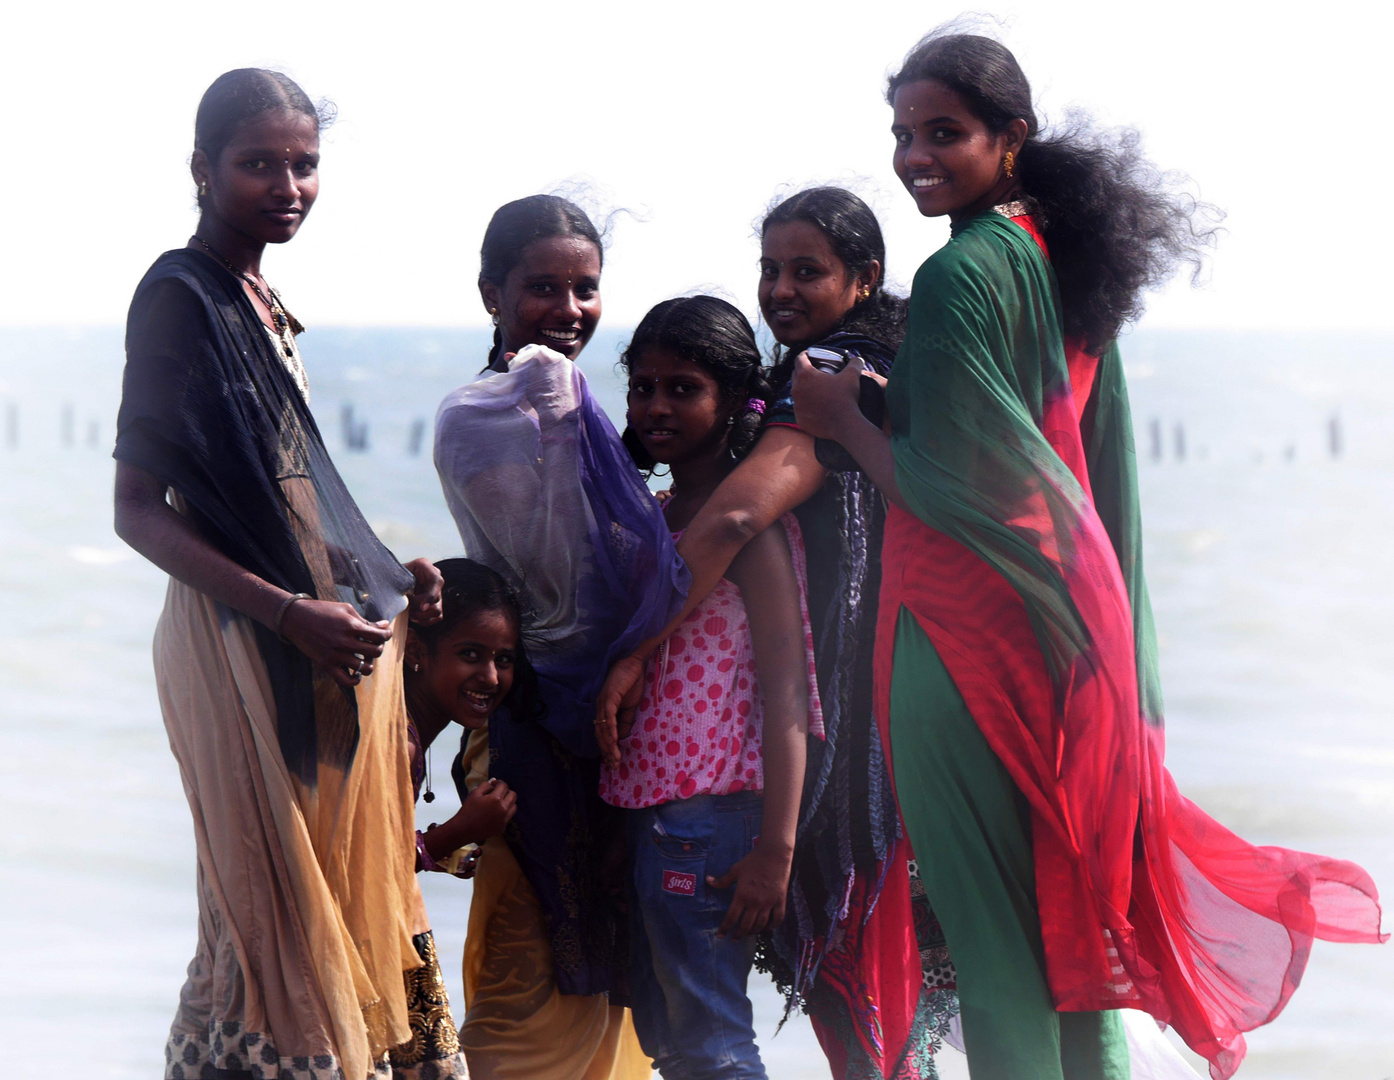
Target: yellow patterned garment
pixel 517 1025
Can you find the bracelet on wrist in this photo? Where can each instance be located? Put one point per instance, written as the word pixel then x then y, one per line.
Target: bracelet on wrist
pixel 285 606
pixel 423 857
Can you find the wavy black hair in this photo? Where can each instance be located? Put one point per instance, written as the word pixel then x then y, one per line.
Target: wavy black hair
pixel 712 333
pixel 517 224
pixel 470 588
pixel 1115 224
pixel 854 234
pixel 237 96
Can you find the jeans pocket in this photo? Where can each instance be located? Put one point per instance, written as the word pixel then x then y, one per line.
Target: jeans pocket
pixel 683 830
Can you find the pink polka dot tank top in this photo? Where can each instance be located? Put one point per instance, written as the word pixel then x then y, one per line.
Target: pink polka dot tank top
pixel 697 729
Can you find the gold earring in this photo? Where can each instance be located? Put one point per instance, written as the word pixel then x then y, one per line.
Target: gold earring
pixel 865 293
pixel 202 188
pixel 1009 163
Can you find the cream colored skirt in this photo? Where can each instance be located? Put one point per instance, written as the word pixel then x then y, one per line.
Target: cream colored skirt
pixel 518 1025
pixel 307 894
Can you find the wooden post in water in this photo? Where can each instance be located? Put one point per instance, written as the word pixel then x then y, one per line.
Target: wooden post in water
pixel 1156 430
pixel 1333 435
pixel 355 430
pixel 1179 441
pixel 418 432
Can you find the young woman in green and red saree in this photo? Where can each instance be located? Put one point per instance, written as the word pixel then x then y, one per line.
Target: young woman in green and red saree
pixel 1016 675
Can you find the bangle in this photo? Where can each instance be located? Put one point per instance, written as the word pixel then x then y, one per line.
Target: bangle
pixel 423 857
pixel 281 612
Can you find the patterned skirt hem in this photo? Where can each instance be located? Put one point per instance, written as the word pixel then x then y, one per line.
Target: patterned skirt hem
pixel 228 1048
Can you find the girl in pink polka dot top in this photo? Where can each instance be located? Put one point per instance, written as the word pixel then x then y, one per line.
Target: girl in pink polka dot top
pixel 711 766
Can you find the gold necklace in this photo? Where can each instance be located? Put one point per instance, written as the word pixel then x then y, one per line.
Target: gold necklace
pixel 1018 207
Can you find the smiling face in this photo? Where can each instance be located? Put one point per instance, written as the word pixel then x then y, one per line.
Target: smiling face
pixel 945 156
pixel 805 289
pixel 552 297
pixel 470 671
pixel 265 179
pixel 676 407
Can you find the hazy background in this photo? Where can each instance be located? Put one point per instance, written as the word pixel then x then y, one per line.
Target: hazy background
pixel 1267 555
pixel 693 116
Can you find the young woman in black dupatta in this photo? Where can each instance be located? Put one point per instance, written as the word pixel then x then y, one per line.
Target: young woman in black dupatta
pixel 278 655
pixel 859 948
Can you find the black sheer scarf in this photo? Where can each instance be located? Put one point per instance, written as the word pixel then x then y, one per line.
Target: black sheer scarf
pixel 209 408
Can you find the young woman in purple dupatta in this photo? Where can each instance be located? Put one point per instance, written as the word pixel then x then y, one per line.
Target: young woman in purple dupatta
pixel 544 494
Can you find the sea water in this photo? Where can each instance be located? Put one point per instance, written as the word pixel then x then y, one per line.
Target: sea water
pixel 1267 474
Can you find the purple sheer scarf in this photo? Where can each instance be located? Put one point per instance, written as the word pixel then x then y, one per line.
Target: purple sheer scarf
pixel 544 493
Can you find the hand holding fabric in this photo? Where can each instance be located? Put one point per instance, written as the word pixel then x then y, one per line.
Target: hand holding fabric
pixel 426 600
pixel 336 638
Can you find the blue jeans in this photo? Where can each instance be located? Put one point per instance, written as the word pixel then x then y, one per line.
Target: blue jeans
pixel 691 1011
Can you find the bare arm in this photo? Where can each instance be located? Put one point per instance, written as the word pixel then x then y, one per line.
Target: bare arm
pixel 780 473
pixel 764 571
pixel 332 635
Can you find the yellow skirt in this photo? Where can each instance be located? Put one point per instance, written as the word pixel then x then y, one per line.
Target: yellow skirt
pixel 518 1026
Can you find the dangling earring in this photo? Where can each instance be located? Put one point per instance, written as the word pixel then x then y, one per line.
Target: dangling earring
pixel 495 313
pixel 202 188
pixel 1009 163
pixel 865 293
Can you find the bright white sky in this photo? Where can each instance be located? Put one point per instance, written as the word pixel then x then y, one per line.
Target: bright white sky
pixel 694 117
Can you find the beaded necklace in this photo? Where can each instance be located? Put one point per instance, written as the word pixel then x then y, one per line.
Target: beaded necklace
pixel 286 324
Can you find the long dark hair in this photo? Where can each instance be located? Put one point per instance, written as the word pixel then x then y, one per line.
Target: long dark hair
pixel 854 234
pixel 517 224
pixel 469 589
pixel 1115 225
pixel 708 331
pixel 237 96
